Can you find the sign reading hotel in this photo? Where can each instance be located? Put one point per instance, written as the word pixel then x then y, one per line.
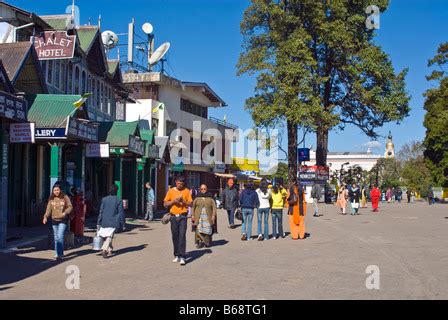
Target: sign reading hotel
pixel 52 45
pixel 22 133
pixel 97 150
pixel 12 107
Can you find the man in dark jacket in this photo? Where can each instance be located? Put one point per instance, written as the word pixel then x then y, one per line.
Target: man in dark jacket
pixel 249 201
pixel 316 194
pixel 111 218
pixel 354 195
pixel 230 201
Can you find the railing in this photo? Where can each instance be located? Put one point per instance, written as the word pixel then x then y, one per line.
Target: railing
pixel 223 123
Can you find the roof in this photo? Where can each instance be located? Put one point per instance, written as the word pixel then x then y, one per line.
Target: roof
pixel 147 135
pixel 52 110
pixel 13 56
pixel 5 83
pixel 208 92
pixel 112 66
pixel 57 22
pixel 27 16
pixel 86 36
pixel 117 133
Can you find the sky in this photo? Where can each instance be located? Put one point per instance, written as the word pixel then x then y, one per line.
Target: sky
pixel 206 43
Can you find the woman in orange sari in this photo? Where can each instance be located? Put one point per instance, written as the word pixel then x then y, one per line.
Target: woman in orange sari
pixel 296 205
pixel 342 199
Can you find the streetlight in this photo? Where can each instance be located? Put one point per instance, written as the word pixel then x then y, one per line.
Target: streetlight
pixel 340 173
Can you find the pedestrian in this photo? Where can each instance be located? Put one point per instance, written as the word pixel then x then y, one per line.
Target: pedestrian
pixel 230 201
pixel 178 200
pixel 398 194
pixel 204 217
pixel 150 199
pixel 342 199
pixel 110 218
pixel 278 203
pixel 316 194
pixel 363 197
pixel 431 196
pixel 59 210
pixel 264 197
pixel 296 205
pixel 408 195
pixel 375 195
pixel 388 195
pixel 249 201
pixel 354 195
pixel 413 196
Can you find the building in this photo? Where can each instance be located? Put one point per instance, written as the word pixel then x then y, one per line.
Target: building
pixel 168 104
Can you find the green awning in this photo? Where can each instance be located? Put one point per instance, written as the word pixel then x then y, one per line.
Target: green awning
pixel 52 110
pixel 117 133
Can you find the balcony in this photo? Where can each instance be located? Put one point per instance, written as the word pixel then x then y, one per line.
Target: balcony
pixel 223 123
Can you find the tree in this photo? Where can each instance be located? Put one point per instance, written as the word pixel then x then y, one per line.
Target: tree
pixel 411 151
pixel 317 66
pixel 436 119
pixel 386 173
pixel 281 171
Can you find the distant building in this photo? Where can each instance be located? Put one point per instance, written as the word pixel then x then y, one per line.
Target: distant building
pixel 390 149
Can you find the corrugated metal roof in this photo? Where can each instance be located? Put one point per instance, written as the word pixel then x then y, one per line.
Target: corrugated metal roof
pixel 51 110
pixel 57 22
pixel 13 56
pixel 87 35
pixel 117 133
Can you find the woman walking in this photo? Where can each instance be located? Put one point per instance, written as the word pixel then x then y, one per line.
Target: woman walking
pixel 278 202
pixel 363 197
pixel 59 210
pixel 342 199
pixel 296 211
pixel 264 197
pixel 110 218
pixel 204 217
pixel 354 195
pixel 249 201
pixel 375 195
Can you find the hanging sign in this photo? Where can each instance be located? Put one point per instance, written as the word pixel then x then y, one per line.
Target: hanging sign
pixel 51 45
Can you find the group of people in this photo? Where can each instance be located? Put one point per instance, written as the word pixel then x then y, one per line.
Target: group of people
pixel 357 198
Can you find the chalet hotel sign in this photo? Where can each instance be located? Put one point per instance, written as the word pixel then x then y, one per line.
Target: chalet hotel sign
pixel 52 45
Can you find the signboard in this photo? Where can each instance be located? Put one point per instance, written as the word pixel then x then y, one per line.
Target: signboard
pixel 50 134
pixel 247 173
pixel 97 150
pixel 51 45
pixel 12 107
pixel 304 154
pixel 22 133
pixel 153 152
pixel 323 173
pixel 82 129
pixel 219 168
pixel 136 145
pixel 308 174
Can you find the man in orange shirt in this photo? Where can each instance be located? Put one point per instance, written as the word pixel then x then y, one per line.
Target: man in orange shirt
pixel 178 200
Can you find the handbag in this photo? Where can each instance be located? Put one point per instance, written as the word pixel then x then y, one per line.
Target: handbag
pixel 166 218
pixel 97 242
pixel 238 214
pixel 355 205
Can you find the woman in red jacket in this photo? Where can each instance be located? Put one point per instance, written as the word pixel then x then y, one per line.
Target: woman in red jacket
pixel 375 195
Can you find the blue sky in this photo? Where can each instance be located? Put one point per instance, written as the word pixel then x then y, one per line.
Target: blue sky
pixel 206 43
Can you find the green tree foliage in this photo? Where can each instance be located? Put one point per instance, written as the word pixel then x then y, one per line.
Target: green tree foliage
pixel 386 173
pixel 317 66
pixel 436 119
pixel 281 171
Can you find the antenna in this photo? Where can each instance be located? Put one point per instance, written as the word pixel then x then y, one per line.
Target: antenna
pixel 131 41
pixel 159 53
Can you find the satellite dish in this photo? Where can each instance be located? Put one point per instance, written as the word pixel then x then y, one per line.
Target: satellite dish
pixel 159 53
pixel 147 28
pixel 110 39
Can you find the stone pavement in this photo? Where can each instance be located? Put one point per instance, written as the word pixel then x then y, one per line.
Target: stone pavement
pixel 408 242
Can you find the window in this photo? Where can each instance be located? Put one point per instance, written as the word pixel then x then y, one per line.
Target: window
pixel 70 78
pixel 170 127
pixel 50 72
pixel 76 86
pixel 193 108
pixel 44 64
pixel 84 83
pixel 57 73
pixel 98 95
pixel 155 126
pixel 63 76
pixel 102 97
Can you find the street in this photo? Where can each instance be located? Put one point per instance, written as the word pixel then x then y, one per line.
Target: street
pixel 406 241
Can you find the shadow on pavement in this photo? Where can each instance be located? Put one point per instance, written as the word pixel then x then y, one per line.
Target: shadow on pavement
pixel 129 249
pixel 196 254
pixel 219 243
pixel 5 288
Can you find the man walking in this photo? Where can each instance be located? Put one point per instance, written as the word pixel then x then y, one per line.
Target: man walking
pixel 230 201
pixel 177 200
pixel 316 194
pixel 149 202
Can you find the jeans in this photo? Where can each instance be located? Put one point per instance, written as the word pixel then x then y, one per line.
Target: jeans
pixel 315 207
pixel 231 216
pixel 277 223
pixel 354 210
pixel 149 211
pixel 248 215
pixel 263 214
pixel 179 232
pixel 59 231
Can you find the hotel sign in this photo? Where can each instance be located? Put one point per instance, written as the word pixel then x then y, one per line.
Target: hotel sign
pixel 51 45
pixel 12 107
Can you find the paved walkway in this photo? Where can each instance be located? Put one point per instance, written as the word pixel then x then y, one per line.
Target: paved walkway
pixel 408 242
